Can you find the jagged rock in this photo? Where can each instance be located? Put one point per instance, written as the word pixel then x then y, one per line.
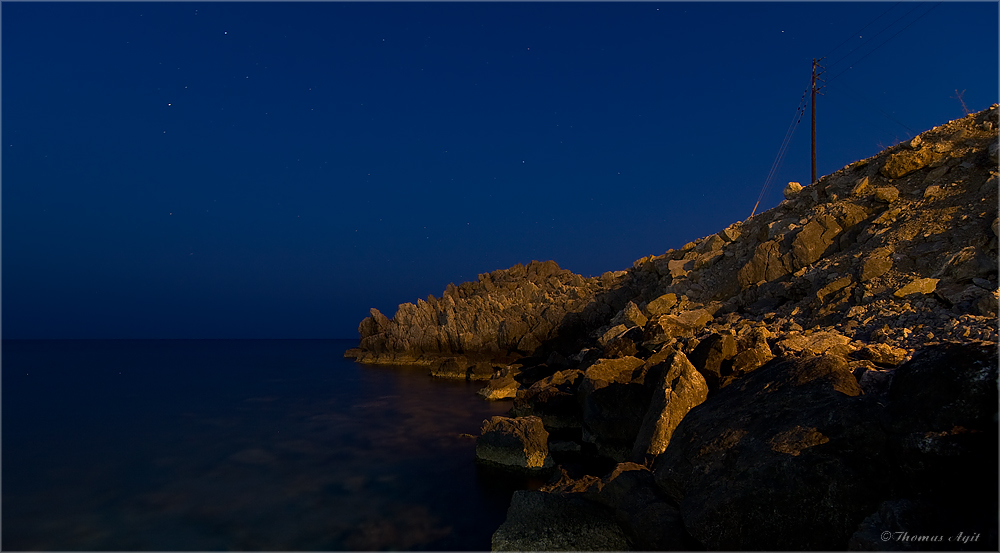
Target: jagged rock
pixel 831 287
pixel 882 354
pixel 552 399
pixel 507 312
pixel 876 264
pixel 710 244
pixel 861 188
pixel 755 352
pixel 906 162
pixel 917 286
pixel 608 371
pixel 501 387
pixel 625 344
pixel 933 191
pixel 611 333
pixel 730 233
pixel 661 305
pixel 520 443
pixel 713 358
pixel 612 406
pixel 788 457
pixel 768 263
pixel 914 143
pixel 678 388
pixel 680 267
pixel 539 521
pixel 818 343
pixel 630 316
pixel 967 264
pixel 791 190
pixel 887 194
pixel 814 240
pixel 682 324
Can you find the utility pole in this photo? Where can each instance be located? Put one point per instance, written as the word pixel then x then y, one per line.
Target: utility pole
pixel 815 90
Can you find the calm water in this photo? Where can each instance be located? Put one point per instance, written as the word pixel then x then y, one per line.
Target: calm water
pixel 238 444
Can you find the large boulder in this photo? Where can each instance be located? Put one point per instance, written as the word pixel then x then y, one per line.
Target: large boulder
pixel 713 358
pixel 520 444
pixel 678 388
pixel 907 161
pixel 814 240
pixel 552 399
pixel 540 521
pixel 612 406
pixel 769 262
pixel 942 419
pixel 788 457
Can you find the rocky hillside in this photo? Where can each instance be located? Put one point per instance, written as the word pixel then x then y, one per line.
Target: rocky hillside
pixel 900 248
pixel 819 376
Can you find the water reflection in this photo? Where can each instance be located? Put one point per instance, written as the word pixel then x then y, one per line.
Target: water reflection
pixel 248 445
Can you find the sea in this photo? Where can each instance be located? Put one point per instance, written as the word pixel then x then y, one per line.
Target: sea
pixel 266 445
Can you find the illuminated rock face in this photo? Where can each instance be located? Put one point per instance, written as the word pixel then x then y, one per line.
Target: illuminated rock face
pixel 520 443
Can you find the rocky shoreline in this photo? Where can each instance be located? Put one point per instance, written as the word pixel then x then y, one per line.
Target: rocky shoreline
pixel 819 376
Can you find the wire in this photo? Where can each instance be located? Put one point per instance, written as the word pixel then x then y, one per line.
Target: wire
pixel 796 119
pixel 859 30
pixel 859 96
pixel 883 44
pixel 875 36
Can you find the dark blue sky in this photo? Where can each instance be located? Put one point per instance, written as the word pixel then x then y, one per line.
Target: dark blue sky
pixel 272 170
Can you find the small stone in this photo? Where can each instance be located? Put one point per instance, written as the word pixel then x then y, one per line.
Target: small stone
pixel 887 194
pixel 993 152
pixel 932 191
pixel 792 190
pixel 915 143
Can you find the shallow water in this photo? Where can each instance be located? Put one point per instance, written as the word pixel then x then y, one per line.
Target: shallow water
pixel 238 444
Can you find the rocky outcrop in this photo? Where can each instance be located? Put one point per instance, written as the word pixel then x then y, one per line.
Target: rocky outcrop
pixel 538 521
pixel 797 380
pixel 796 434
pixel 520 443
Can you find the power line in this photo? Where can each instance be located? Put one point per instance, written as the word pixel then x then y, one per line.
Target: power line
pixel 859 96
pixel 887 40
pixel 796 119
pixel 886 28
pixel 859 30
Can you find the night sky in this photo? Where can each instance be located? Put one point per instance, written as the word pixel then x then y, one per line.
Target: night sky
pixel 273 170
